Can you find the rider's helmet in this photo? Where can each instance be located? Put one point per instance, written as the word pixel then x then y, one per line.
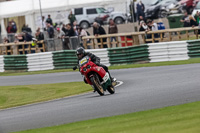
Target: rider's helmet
pixel 80 52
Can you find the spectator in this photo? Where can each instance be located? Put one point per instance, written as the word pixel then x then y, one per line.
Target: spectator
pixel 83 33
pixel 39 35
pixel 140 9
pixel 10 28
pixel 49 20
pixel 193 22
pixel 141 19
pixel 64 28
pixel 185 20
pixel 60 34
pixel 154 26
pixel 143 27
pixel 14 26
pixel 16 38
pixel 21 37
pixel 26 29
pixel 27 37
pixel 112 29
pixel 197 17
pixel 43 24
pixel 98 30
pixel 50 30
pixel 70 31
pixel 71 18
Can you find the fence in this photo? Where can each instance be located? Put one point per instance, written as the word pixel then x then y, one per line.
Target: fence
pixel 42 46
pixel 21 48
pixel 130 39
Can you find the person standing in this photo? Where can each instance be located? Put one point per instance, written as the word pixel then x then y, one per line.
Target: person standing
pixel 50 30
pixel 140 9
pixel 69 31
pixel 112 29
pixel 197 17
pixel 98 30
pixel 49 20
pixel 185 20
pixel 71 18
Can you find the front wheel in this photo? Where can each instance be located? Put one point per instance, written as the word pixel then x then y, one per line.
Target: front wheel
pixel 97 86
pixel 111 90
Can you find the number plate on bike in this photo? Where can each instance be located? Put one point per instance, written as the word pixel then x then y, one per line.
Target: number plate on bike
pixel 83 61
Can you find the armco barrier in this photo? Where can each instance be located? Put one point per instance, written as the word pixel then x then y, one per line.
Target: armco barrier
pixel 1 64
pixel 102 54
pixel 168 51
pixel 64 59
pixel 194 48
pixel 118 55
pixel 178 51
pixel 138 54
pixel 40 61
pixel 129 55
pixel 15 63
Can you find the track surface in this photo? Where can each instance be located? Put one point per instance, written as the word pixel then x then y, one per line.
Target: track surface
pixel 143 89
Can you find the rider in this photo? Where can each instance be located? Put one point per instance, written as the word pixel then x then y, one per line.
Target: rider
pixel 80 52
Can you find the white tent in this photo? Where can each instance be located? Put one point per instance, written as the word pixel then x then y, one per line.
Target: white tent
pixel 24 7
pixel 31 8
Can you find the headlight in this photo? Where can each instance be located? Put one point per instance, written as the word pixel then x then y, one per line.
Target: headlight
pixel 88 67
pixel 85 69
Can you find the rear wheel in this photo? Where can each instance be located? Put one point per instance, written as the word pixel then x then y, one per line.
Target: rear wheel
pixel 111 90
pixel 97 85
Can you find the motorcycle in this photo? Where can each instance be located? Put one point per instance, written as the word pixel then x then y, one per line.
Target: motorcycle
pixel 96 76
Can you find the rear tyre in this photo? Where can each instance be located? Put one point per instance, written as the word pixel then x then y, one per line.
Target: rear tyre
pixel 111 90
pixel 97 86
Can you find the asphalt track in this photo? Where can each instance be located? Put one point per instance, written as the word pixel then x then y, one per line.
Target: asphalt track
pixel 143 89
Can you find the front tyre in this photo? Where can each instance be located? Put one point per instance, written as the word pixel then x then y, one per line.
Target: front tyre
pixel 97 86
pixel 111 90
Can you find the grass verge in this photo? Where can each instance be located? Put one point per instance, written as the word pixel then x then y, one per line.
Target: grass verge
pixel 190 61
pixel 175 119
pixel 11 96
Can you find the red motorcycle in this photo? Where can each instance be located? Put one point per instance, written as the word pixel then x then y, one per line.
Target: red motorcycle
pixel 96 76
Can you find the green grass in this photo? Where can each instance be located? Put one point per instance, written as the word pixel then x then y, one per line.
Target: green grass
pixel 190 61
pixel 175 119
pixel 11 96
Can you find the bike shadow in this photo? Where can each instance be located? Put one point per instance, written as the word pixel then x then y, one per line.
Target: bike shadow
pixel 96 95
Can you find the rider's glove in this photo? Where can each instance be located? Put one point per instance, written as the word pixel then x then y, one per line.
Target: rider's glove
pixel 74 68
